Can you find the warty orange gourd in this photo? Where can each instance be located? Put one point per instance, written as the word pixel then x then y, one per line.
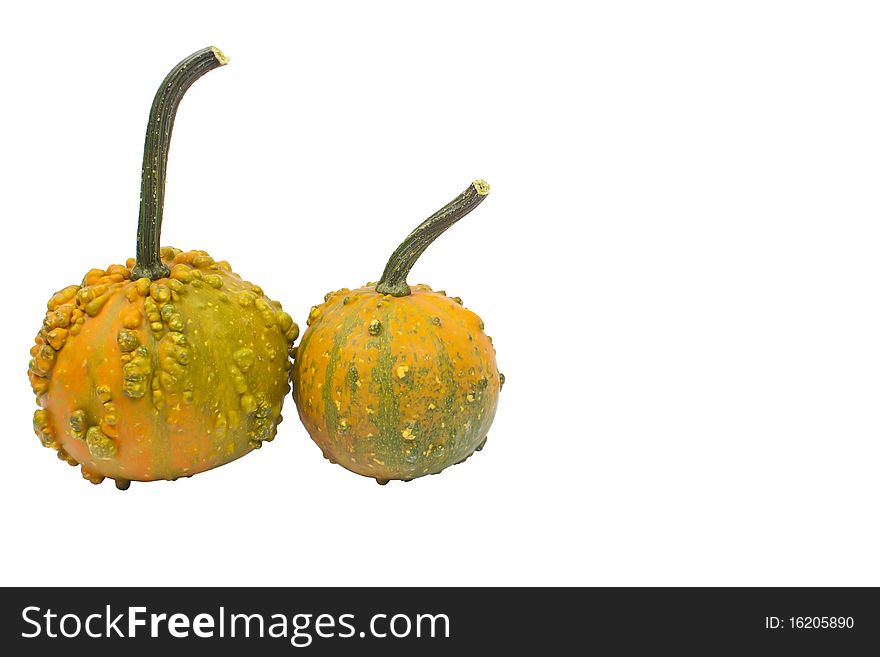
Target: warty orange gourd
pixel 170 364
pixel 393 381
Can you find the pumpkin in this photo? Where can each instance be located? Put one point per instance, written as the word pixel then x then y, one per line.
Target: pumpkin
pixel 393 381
pixel 170 364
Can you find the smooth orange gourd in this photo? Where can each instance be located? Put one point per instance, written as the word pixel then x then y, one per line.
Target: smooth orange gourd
pixel 393 381
pixel 169 365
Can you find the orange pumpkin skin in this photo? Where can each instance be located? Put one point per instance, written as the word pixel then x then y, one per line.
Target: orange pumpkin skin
pixel 144 380
pixel 395 387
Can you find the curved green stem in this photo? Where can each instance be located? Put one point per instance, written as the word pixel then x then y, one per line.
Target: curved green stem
pixel 393 279
pixel 162 113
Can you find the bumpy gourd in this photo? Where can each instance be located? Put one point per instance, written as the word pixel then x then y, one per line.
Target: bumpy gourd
pixel 393 381
pixel 169 365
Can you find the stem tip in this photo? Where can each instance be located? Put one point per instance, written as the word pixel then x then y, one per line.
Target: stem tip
pixel 223 59
pixel 482 187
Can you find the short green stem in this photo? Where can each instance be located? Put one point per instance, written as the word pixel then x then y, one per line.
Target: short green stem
pixel 149 263
pixel 393 279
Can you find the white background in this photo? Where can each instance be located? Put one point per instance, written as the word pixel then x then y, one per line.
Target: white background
pixel 678 263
